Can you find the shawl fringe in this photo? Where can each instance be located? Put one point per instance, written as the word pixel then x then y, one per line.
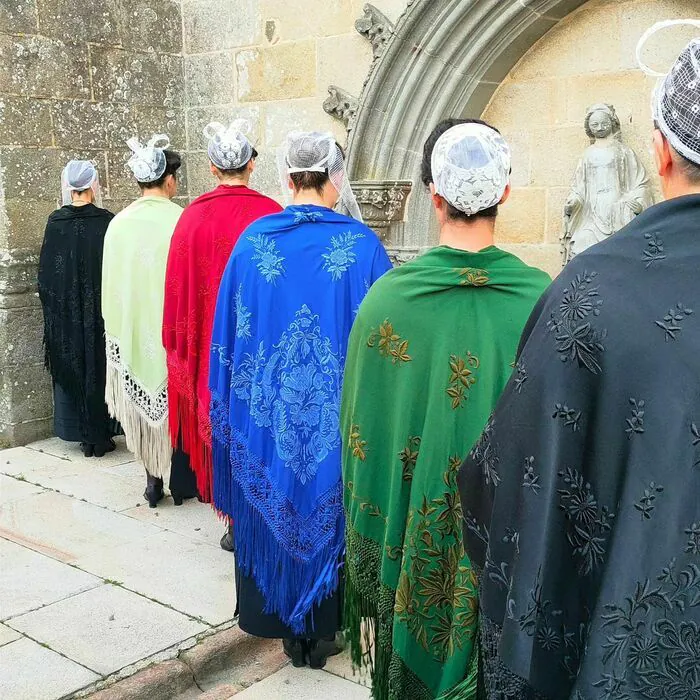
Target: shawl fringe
pixel 149 441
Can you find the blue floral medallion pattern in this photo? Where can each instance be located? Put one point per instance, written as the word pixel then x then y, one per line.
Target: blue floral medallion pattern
pixel 242 316
pixel 304 216
pixel 339 255
pixel 267 257
pixel 294 390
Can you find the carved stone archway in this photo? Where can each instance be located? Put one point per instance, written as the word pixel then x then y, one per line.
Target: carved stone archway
pixel 443 58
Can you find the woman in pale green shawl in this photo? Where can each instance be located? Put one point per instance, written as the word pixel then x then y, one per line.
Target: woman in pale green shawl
pixel 429 355
pixel 133 282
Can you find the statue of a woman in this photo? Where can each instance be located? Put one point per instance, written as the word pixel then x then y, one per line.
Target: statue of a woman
pixel 610 185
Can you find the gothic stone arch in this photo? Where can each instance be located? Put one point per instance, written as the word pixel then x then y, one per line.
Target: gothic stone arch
pixel 443 58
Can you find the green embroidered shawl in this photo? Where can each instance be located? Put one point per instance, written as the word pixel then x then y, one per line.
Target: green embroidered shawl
pixel 429 354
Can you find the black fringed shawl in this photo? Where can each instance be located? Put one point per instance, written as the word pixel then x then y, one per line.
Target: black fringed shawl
pixel 581 501
pixel 70 283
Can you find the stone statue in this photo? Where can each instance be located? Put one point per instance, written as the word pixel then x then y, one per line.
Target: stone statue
pixel 610 185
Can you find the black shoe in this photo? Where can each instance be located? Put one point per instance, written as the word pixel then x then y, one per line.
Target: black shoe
pixel 227 540
pixel 88 449
pixel 177 498
pixel 296 650
pixel 321 649
pixel 102 448
pixel 154 490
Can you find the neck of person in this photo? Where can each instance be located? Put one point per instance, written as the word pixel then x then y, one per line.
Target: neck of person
pixel 80 199
pixel 470 236
pixel 302 197
pixel 161 192
pixel 234 180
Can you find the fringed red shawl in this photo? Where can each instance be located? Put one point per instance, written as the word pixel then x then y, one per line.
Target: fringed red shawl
pixel 200 249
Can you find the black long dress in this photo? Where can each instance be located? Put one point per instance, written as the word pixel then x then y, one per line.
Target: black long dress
pixel 70 288
pixel 582 499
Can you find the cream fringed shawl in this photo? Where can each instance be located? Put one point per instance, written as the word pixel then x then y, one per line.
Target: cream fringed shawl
pixel 133 281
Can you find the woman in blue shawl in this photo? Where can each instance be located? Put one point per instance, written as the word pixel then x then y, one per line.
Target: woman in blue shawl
pixel 286 305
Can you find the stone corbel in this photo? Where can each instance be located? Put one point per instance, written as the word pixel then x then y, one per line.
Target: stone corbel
pixel 376 27
pixel 382 204
pixel 341 105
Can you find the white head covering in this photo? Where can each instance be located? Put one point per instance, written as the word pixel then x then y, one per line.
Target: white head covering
pixel 148 162
pixel 471 167
pixel 315 152
pixel 77 176
pixel 676 99
pixel 229 147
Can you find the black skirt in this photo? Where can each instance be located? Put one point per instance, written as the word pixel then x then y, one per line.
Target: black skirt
pixel 322 622
pixel 69 427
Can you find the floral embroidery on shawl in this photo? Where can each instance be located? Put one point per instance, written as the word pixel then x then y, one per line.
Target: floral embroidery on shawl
pixel 242 316
pixel 269 261
pixel 461 378
pixel 390 344
pixel 339 255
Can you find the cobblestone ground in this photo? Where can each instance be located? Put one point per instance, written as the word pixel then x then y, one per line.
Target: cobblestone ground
pixel 94 583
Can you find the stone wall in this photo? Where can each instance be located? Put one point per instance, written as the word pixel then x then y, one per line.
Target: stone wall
pixel 76 80
pixel 588 57
pixel 270 61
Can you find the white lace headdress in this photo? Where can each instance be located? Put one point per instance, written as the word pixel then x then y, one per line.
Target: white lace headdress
pixel 471 167
pixel 316 152
pixel 79 175
pixel 676 99
pixel 148 162
pixel 229 147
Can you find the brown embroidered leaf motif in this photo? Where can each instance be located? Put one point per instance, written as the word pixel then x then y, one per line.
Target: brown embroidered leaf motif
pixel 404 596
pixel 450 476
pixel 461 378
pixel 371 509
pixel 357 443
pixel 394 553
pixel 389 343
pixel 473 277
pixel 409 457
pixel 450 515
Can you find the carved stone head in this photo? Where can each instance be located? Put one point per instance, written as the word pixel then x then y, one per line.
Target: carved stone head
pixel 601 121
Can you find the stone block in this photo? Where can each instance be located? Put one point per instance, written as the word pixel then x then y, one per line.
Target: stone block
pixel 162 120
pixel 79 123
pixel 266 176
pixel 663 48
pixel 7 635
pixel 301 115
pixel 22 331
pixel 210 79
pixel 43 67
pixel 345 61
pixel 555 153
pixel 64 18
pixel 554 225
pixel 27 173
pixel 538 102
pixel 211 25
pixel 23 433
pixel 393 9
pixel 199 175
pixel 324 19
pixel 137 78
pixel 520 147
pixel 150 25
pixel 199 117
pixel 546 257
pixel 281 72
pixel 522 218
pixel 162 681
pixel 626 91
pixel 18 16
pixel 24 122
pixel 28 221
pixel 29 390
pixel 567 49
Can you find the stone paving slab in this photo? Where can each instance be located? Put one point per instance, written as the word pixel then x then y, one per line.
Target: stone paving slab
pixel 7 635
pixel 192 576
pixel 341 666
pixel 66 529
pixel 12 489
pixel 107 628
pixel 29 580
pixel 196 520
pixel 23 462
pixel 304 684
pixel 29 671
pixel 71 451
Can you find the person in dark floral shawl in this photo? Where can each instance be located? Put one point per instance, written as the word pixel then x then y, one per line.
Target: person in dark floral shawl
pixel 580 500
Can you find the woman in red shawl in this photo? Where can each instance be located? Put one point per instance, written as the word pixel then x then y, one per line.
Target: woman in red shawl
pixel 200 249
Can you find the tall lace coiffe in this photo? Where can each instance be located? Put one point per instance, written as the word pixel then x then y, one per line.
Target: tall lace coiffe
pixel 676 99
pixel 229 147
pixel 148 162
pixel 316 152
pixel 471 167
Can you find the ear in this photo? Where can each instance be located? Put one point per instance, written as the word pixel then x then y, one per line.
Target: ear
pixel 438 201
pixel 290 184
pixel 506 194
pixel 251 166
pixel 662 154
pixel 213 170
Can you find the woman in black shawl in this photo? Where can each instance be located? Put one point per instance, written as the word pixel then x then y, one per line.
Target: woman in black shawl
pixel 70 281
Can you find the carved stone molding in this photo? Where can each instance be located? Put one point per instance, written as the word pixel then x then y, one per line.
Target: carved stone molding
pixel 382 203
pixel 401 255
pixel 376 27
pixel 341 105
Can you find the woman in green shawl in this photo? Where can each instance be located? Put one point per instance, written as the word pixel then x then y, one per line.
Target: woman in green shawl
pixel 429 355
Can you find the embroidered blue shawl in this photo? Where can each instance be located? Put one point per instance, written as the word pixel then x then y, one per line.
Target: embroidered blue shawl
pixel 285 308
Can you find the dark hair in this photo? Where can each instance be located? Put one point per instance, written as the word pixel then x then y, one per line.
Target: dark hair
pixel 313 181
pixel 453 213
pixel 233 172
pixel 173 162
